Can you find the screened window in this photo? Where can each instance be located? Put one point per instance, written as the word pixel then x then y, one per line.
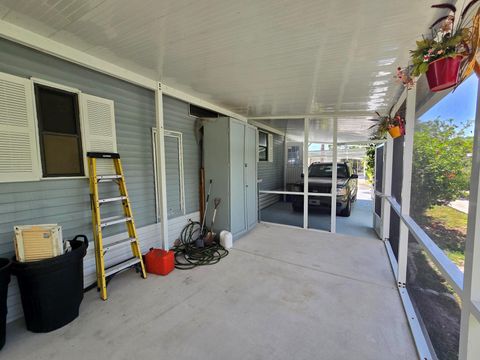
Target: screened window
pixel 442 162
pixel 262 146
pixel 59 132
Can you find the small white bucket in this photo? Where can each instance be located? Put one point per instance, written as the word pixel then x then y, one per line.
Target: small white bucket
pixel 226 239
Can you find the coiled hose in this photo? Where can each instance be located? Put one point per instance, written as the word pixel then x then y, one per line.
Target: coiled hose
pixel 188 255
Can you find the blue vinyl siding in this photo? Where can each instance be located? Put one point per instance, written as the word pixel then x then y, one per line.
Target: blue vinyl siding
pixel 176 118
pixel 66 202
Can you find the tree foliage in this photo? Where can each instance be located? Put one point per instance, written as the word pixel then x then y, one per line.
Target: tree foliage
pixel 370 162
pixel 441 165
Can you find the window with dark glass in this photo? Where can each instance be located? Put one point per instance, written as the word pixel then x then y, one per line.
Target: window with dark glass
pixel 262 146
pixel 59 132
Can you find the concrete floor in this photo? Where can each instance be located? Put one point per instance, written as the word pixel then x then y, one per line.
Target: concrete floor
pixel 282 293
pixel 359 223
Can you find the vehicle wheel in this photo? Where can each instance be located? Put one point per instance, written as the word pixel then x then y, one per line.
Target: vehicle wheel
pixel 348 209
pixel 297 208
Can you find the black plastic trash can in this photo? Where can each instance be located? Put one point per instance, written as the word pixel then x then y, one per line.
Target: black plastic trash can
pixel 4 281
pixel 52 289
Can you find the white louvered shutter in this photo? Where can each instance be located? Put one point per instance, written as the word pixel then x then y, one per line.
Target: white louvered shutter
pixel 19 160
pixel 270 148
pixel 98 124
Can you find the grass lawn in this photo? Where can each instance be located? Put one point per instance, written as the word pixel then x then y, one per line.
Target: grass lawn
pixel 451 218
pixel 448 229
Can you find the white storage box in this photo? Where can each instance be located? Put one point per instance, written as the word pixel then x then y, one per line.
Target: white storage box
pixel 38 242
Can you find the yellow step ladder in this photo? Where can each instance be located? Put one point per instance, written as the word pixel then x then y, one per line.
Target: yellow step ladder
pixel 99 224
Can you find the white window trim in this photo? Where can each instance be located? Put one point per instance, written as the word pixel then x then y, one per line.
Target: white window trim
pixel 83 127
pixel 268 145
pixel 53 85
pixel 155 173
pixel 179 136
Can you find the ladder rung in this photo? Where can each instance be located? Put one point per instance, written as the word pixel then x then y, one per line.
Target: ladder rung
pixel 114 220
pixel 119 267
pixel 118 243
pixel 104 178
pixel 118 198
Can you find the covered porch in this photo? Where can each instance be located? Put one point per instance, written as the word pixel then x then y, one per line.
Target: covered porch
pixel 368 260
pixel 281 293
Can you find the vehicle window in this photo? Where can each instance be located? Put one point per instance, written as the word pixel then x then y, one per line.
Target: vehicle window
pixel 325 170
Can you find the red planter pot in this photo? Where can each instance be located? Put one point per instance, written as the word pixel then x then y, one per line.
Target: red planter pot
pixel 443 73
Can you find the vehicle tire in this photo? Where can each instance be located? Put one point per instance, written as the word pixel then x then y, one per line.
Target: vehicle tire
pixel 348 209
pixel 297 208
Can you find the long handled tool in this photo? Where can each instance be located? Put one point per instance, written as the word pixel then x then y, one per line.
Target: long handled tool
pixel 211 234
pixel 199 241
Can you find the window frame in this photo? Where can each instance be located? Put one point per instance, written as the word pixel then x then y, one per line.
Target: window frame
pixel 181 180
pixel 37 85
pixel 266 159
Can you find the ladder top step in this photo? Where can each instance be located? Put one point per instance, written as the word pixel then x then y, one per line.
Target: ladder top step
pixel 118 243
pixel 114 220
pixel 121 266
pixel 103 155
pixel 107 200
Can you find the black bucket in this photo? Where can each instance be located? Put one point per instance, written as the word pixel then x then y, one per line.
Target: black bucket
pixel 52 289
pixel 4 280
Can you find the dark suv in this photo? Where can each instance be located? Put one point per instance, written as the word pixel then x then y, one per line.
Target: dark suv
pixel 320 181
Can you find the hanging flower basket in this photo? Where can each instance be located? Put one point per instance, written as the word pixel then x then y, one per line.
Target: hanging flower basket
pixel 443 73
pixel 394 126
pixel 395 132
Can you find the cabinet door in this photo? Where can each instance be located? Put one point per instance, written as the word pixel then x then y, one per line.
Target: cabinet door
pixel 237 186
pixel 251 176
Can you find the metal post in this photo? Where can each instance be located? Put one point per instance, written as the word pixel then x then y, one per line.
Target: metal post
pixel 161 173
pixel 333 192
pixel 406 185
pixel 305 172
pixel 470 323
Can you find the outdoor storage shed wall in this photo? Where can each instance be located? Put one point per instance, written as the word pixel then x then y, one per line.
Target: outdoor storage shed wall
pixel 66 202
pixel 272 173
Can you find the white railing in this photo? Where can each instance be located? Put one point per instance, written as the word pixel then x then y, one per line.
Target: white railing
pixel 466 284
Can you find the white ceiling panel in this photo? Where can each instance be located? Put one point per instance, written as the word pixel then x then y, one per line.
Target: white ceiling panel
pixel 257 58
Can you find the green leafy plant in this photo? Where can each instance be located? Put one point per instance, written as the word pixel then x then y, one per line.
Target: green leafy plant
pixel 385 123
pixel 441 166
pixel 449 38
pixel 370 162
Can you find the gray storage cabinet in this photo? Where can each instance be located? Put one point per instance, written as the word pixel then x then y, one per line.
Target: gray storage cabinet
pixel 230 160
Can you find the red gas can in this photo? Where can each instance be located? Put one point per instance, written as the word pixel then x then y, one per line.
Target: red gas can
pixel 160 262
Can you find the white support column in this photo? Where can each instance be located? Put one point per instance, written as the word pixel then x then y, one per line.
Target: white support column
pixel 333 213
pixel 470 323
pixel 387 187
pixel 161 173
pixel 410 119
pixel 305 172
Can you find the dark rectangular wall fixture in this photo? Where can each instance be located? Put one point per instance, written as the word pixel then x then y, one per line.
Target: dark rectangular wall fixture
pixel 200 112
